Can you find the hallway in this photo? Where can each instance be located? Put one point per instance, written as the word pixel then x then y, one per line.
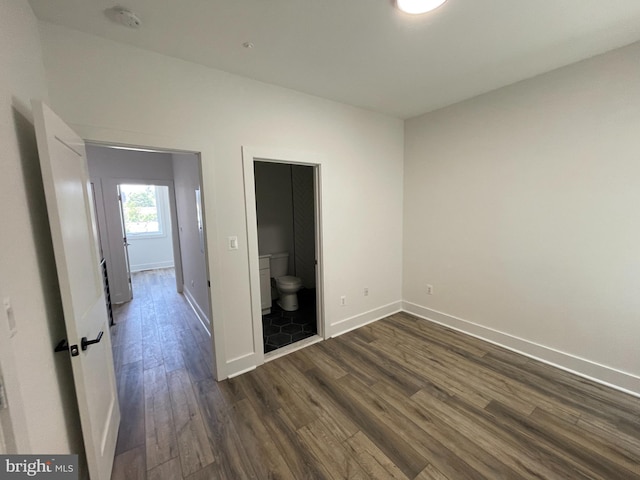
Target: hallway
pixel 161 353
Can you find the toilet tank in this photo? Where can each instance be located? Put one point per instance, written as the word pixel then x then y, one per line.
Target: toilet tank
pixel 279 264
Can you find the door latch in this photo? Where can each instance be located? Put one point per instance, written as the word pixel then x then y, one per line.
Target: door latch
pixel 63 346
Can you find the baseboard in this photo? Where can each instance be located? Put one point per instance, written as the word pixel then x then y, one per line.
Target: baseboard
pixel 596 372
pixel 246 370
pixel 246 363
pixel 151 266
pixel 243 364
pixel 362 319
pixel 202 316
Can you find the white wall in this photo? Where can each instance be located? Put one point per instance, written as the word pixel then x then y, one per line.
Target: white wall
pixel 186 171
pixel 521 209
pixel 40 388
pixel 109 167
pixel 274 209
pixel 286 216
pixel 106 162
pixel 114 92
pixel 304 233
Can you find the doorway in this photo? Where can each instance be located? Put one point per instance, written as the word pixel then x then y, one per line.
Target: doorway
pixel 146 227
pixel 285 251
pixel 285 202
pixel 149 212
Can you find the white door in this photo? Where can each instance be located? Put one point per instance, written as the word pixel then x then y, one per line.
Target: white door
pixel 125 245
pixel 73 230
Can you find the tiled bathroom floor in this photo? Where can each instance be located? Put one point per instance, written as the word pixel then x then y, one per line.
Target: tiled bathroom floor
pixel 282 328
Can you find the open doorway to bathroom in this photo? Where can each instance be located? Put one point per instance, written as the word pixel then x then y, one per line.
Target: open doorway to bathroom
pixel 285 214
pixel 283 201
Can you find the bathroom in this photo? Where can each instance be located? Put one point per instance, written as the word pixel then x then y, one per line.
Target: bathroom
pixel 286 221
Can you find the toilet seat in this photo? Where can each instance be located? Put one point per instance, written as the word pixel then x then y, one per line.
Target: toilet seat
pixel 288 281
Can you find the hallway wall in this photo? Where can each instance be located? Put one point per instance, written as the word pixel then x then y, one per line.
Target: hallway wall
pixel 186 173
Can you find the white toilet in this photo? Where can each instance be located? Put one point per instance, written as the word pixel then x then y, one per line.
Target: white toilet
pixel 287 285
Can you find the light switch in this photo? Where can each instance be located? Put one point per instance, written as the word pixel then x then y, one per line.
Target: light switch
pixel 233 243
pixel 11 319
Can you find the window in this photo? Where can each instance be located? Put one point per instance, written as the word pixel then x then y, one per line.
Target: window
pixel 141 210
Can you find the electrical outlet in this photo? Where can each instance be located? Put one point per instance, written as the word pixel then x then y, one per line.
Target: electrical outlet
pixel 343 300
pixel 366 291
pixel 429 289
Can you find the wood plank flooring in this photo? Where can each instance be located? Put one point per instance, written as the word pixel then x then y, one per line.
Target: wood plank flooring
pixel 398 399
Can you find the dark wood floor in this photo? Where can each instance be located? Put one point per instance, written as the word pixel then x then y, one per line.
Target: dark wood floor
pixel 399 399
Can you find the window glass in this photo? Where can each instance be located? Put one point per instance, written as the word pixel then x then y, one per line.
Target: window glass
pixel 140 209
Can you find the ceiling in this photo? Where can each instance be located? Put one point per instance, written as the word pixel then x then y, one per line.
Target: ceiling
pixel 365 52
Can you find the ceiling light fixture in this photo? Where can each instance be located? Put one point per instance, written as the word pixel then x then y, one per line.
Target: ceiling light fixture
pixel 416 7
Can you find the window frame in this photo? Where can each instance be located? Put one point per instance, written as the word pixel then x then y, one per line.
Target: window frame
pixel 161 205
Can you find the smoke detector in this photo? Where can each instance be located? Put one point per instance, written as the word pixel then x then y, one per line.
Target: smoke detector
pixel 124 17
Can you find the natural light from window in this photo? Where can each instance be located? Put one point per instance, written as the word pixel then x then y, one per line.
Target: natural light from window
pixel 140 210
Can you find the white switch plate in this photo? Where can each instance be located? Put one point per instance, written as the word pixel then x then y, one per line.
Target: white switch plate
pixel 233 243
pixel 3 398
pixel 11 319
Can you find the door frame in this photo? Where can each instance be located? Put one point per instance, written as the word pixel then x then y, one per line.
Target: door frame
pixel 141 141
pixel 14 436
pixel 250 155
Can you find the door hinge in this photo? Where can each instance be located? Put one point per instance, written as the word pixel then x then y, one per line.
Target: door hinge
pixel 209 283
pixel 62 346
